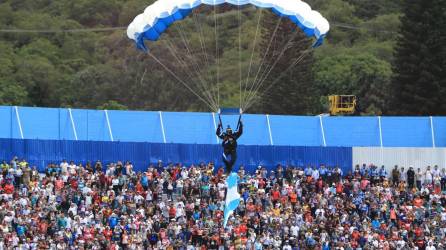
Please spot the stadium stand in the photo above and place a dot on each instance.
(113, 207)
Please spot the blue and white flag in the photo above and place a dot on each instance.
(232, 197)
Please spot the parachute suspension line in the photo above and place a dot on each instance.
(193, 62)
(267, 72)
(264, 56)
(254, 86)
(210, 78)
(179, 79)
(182, 62)
(173, 51)
(295, 62)
(189, 52)
(216, 55)
(201, 37)
(240, 50)
(252, 53)
(184, 65)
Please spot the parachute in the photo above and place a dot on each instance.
(158, 17)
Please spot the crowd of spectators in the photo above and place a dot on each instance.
(171, 206)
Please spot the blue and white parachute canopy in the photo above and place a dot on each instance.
(161, 14)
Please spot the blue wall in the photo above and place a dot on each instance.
(440, 131)
(199, 128)
(352, 131)
(39, 153)
(414, 131)
(299, 130)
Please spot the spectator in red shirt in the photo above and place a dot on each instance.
(8, 188)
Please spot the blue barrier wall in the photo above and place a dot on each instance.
(199, 128)
(414, 131)
(194, 128)
(299, 130)
(439, 124)
(135, 126)
(39, 153)
(5, 122)
(352, 131)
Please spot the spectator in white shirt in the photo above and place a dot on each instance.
(72, 168)
(428, 176)
(64, 166)
(403, 175)
(315, 174)
(436, 172)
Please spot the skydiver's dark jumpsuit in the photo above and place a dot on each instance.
(229, 146)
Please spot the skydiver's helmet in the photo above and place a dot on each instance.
(229, 130)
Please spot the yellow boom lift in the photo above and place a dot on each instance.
(342, 104)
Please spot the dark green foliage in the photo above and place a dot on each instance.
(419, 85)
(368, 9)
(112, 105)
(362, 75)
(104, 70)
(288, 88)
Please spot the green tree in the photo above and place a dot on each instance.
(39, 77)
(367, 9)
(130, 9)
(92, 13)
(112, 105)
(419, 85)
(362, 75)
(94, 86)
(12, 94)
(340, 13)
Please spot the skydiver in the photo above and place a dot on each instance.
(229, 144)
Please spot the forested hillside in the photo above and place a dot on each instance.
(92, 66)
